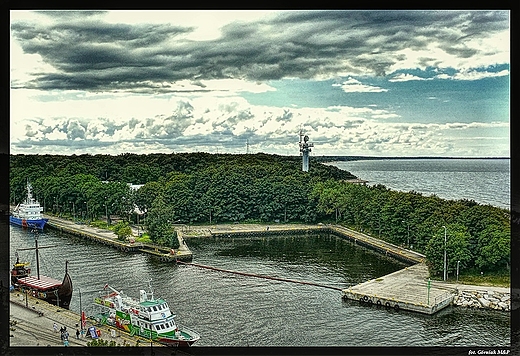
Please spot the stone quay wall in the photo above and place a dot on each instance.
(483, 299)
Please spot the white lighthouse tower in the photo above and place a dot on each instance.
(305, 148)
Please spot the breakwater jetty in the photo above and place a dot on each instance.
(252, 230)
(107, 237)
(387, 248)
(407, 289)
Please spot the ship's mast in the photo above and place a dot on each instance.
(151, 289)
(36, 248)
(37, 255)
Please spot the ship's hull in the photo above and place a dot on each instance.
(186, 339)
(176, 343)
(49, 296)
(29, 223)
(59, 295)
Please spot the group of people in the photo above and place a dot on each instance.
(65, 334)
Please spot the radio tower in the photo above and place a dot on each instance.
(305, 148)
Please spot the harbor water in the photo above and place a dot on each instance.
(235, 310)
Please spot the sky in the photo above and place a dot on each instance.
(370, 83)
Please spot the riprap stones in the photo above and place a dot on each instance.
(483, 299)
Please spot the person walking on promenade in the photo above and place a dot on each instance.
(55, 326)
(77, 333)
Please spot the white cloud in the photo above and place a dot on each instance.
(404, 77)
(473, 74)
(163, 123)
(476, 75)
(352, 85)
(32, 65)
(489, 50)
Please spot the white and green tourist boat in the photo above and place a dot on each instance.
(149, 317)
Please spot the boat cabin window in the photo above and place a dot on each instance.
(154, 308)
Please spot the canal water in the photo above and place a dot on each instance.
(234, 310)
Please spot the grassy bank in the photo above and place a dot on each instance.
(495, 280)
(491, 279)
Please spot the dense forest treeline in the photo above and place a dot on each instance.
(201, 188)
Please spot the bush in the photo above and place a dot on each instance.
(123, 230)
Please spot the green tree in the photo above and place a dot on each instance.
(494, 251)
(160, 223)
(456, 245)
(123, 230)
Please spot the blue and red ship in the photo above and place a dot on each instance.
(29, 213)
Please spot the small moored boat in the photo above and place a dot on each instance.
(149, 317)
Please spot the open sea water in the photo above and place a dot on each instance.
(486, 181)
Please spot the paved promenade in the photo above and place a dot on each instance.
(33, 329)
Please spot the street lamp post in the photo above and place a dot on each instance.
(458, 271)
(429, 285)
(80, 312)
(408, 226)
(138, 224)
(73, 212)
(444, 252)
(106, 209)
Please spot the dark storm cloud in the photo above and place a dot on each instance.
(89, 54)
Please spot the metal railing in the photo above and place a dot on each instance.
(443, 297)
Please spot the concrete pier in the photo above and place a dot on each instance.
(107, 237)
(406, 289)
(377, 244)
(258, 230)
